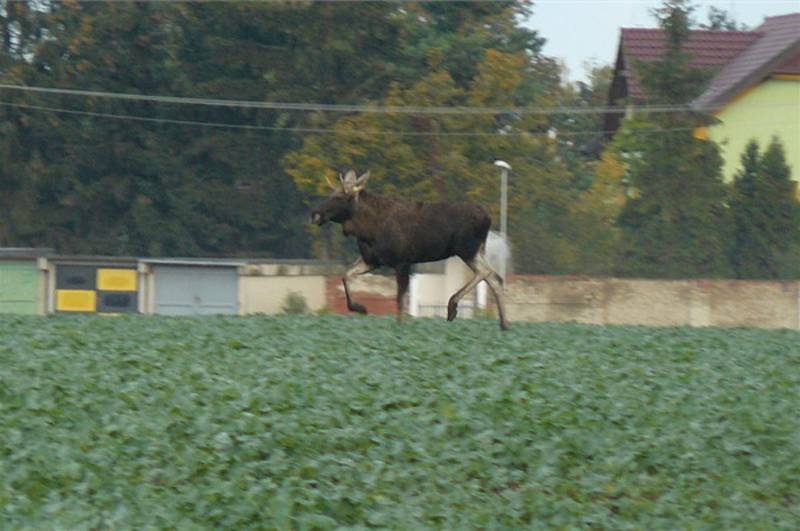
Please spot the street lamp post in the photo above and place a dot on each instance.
(505, 167)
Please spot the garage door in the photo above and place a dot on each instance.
(19, 287)
(187, 290)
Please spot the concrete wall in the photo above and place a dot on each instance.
(754, 304)
(724, 303)
(263, 288)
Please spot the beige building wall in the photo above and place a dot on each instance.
(263, 287)
(429, 298)
(431, 291)
(267, 294)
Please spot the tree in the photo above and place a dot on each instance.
(594, 233)
(674, 223)
(96, 184)
(90, 184)
(721, 20)
(579, 135)
(766, 215)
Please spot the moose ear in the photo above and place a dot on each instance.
(361, 183)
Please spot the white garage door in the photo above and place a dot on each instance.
(187, 290)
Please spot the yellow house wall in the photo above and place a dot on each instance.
(769, 109)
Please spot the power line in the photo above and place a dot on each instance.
(348, 108)
(510, 2)
(313, 130)
(387, 1)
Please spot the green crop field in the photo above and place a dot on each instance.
(330, 422)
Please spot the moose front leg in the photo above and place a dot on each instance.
(358, 268)
(402, 275)
(452, 304)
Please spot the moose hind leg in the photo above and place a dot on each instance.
(452, 304)
(358, 268)
(495, 282)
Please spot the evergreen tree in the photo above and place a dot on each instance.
(721, 20)
(766, 215)
(674, 223)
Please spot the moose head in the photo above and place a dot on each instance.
(340, 205)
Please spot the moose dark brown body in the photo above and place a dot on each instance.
(395, 232)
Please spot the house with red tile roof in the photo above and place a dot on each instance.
(754, 91)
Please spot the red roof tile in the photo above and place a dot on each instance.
(791, 66)
(707, 48)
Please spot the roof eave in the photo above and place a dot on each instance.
(718, 102)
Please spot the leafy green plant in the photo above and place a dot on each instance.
(301, 422)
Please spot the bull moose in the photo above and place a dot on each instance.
(396, 232)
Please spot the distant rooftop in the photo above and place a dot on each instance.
(738, 60)
(777, 50)
(708, 49)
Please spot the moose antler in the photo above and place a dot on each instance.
(361, 182)
(353, 185)
(333, 185)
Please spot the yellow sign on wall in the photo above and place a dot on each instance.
(76, 300)
(116, 279)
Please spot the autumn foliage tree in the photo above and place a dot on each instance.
(450, 157)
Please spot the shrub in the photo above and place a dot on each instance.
(295, 304)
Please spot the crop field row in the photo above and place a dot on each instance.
(353, 422)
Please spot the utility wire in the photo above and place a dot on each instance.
(323, 131)
(290, 1)
(313, 130)
(391, 1)
(323, 107)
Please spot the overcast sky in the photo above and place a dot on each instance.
(578, 31)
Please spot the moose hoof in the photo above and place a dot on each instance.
(356, 307)
(452, 311)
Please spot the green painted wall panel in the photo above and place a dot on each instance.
(19, 287)
(770, 109)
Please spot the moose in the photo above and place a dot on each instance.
(396, 232)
